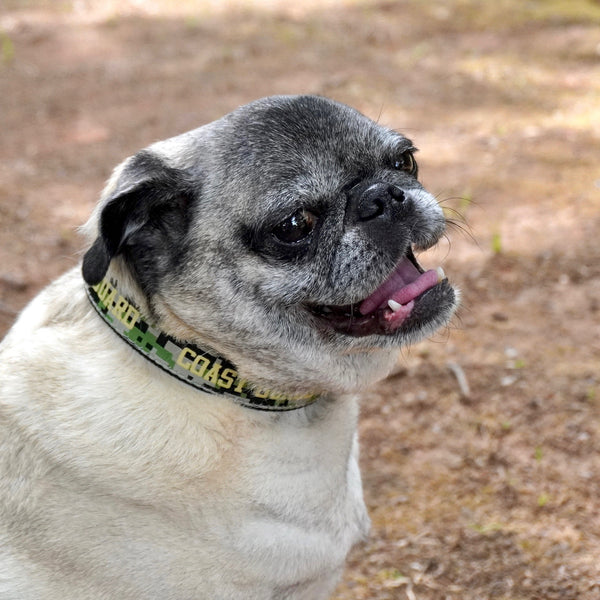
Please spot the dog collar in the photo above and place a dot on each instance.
(187, 362)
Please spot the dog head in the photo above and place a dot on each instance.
(277, 236)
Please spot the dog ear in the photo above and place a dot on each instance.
(144, 220)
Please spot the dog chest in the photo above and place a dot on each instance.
(296, 505)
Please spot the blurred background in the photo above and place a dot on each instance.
(481, 453)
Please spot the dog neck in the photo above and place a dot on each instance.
(185, 361)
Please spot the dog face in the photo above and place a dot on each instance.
(277, 236)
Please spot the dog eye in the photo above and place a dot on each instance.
(296, 228)
(406, 162)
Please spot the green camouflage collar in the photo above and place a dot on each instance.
(187, 362)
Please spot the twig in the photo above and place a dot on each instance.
(461, 379)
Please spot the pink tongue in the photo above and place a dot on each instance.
(402, 286)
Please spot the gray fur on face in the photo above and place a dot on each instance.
(195, 221)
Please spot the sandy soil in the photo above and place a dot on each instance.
(487, 492)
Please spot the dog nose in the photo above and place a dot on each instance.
(376, 201)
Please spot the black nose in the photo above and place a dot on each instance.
(377, 200)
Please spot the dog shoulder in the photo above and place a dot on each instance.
(61, 301)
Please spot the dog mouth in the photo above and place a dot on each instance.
(407, 299)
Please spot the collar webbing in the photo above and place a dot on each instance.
(187, 362)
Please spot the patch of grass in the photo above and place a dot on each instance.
(564, 11)
(543, 499)
(288, 33)
(465, 202)
(505, 14)
(487, 528)
(392, 578)
(7, 49)
(497, 243)
(112, 22)
(391, 574)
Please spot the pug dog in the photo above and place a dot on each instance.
(178, 416)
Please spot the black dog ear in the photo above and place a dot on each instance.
(143, 220)
(95, 262)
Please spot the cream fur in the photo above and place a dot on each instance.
(118, 481)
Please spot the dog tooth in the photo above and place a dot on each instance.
(395, 306)
(440, 273)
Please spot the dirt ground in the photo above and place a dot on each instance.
(481, 454)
